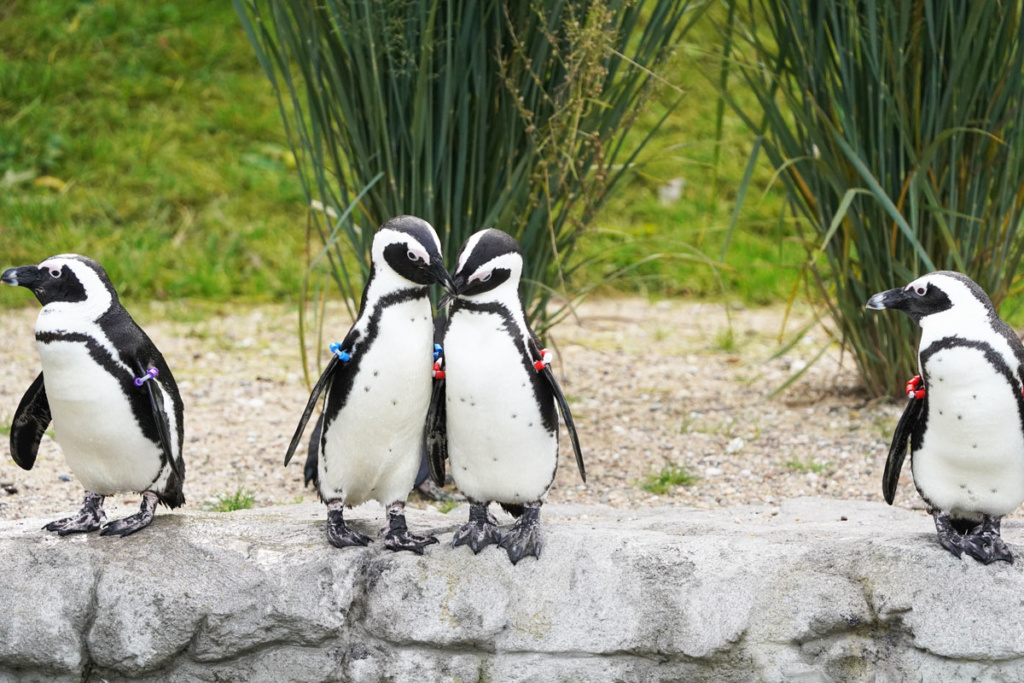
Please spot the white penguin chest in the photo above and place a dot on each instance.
(498, 445)
(94, 422)
(971, 456)
(372, 447)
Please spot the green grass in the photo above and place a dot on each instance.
(661, 482)
(242, 499)
(446, 506)
(804, 466)
(146, 136)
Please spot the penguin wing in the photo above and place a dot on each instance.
(437, 432)
(537, 354)
(163, 425)
(563, 408)
(437, 413)
(311, 470)
(30, 423)
(898, 450)
(335, 366)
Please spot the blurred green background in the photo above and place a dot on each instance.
(146, 136)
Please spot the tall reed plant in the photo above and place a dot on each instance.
(897, 127)
(468, 113)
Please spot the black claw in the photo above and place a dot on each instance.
(523, 539)
(140, 520)
(89, 518)
(339, 535)
(480, 531)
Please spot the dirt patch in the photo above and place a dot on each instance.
(653, 387)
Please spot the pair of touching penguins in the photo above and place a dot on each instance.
(488, 405)
(474, 389)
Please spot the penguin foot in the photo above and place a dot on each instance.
(140, 520)
(984, 543)
(339, 535)
(89, 518)
(949, 538)
(403, 540)
(396, 533)
(523, 538)
(480, 531)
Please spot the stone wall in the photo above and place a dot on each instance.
(737, 594)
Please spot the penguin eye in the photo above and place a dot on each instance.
(921, 290)
(412, 255)
(54, 273)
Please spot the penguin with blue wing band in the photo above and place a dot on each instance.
(110, 395)
(377, 388)
(495, 418)
(965, 416)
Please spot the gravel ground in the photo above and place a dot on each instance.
(651, 386)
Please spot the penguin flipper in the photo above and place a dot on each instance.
(334, 366)
(311, 470)
(898, 450)
(163, 425)
(30, 422)
(563, 408)
(437, 432)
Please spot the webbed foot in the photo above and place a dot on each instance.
(982, 542)
(89, 518)
(985, 544)
(523, 538)
(339, 535)
(480, 531)
(396, 533)
(140, 520)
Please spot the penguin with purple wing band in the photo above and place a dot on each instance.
(113, 401)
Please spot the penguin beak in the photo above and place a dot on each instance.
(893, 298)
(25, 276)
(442, 277)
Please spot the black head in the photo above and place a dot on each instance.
(68, 278)
(489, 261)
(939, 292)
(410, 247)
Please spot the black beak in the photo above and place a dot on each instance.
(893, 298)
(24, 276)
(442, 277)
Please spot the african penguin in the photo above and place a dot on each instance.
(113, 401)
(496, 419)
(378, 388)
(965, 421)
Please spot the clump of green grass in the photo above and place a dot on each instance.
(804, 466)
(446, 506)
(242, 499)
(661, 482)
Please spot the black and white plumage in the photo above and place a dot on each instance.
(495, 415)
(376, 401)
(117, 436)
(967, 431)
